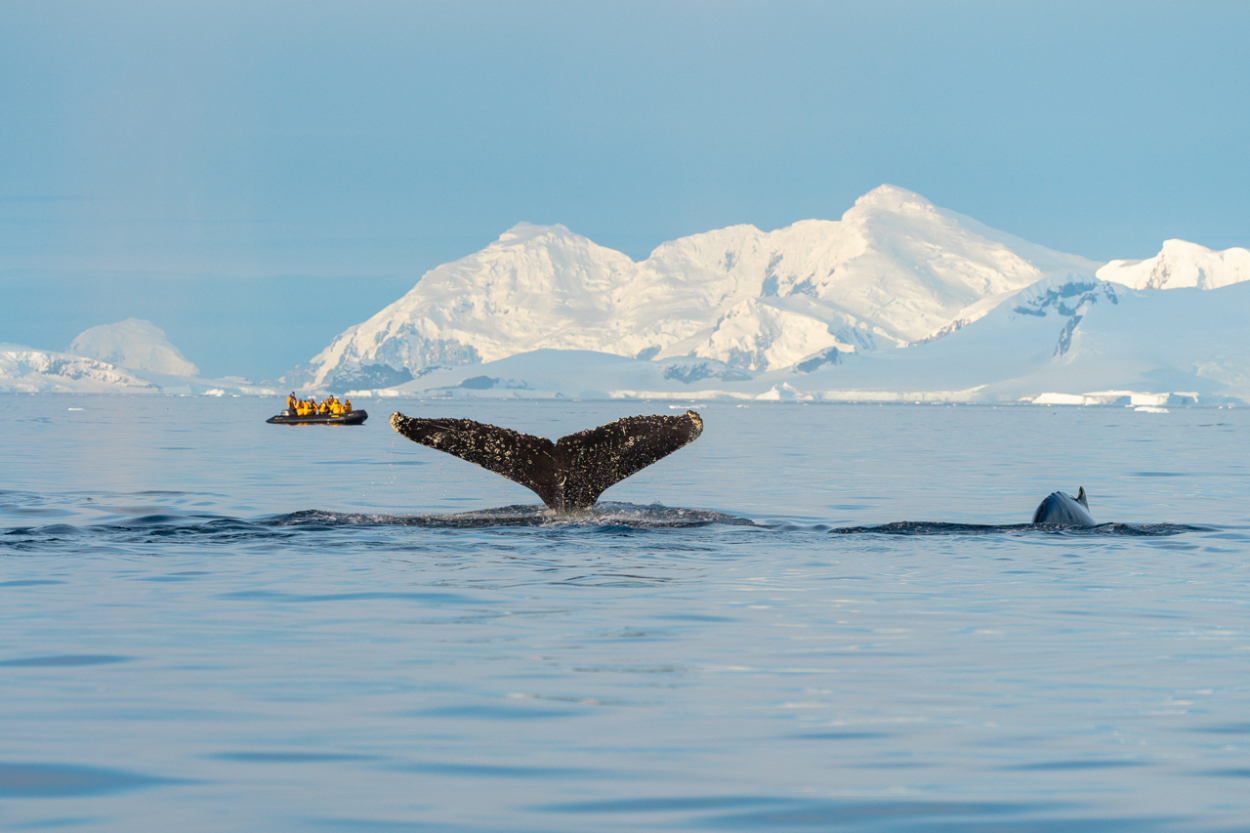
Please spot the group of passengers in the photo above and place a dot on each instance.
(310, 407)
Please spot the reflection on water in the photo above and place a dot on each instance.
(211, 620)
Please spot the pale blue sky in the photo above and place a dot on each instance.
(196, 163)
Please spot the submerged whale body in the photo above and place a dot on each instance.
(1059, 509)
(570, 473)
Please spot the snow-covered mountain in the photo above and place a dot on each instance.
(135, 344)
(894, 270)
(29, 370)
(1088, 339)
(1181, 264)
(1063, 340)
(26, 370)
(802, 312)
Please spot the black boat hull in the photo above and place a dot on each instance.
(349, 418)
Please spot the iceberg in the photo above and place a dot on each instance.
(135, 344)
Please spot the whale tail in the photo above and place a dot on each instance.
(570, 473)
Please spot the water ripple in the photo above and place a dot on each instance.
(45, 780)
(1101, 530)
(602, 517)
(63, 661)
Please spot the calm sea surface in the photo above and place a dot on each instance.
(208, 623)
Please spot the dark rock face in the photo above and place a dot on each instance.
(479, 383)
(829, 356)
(689, 373)
(370, 376)
(569, 474)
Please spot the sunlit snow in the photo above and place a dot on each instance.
(135, 344)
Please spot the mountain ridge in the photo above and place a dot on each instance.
(1181, 264)
(893, 270)
(811, 311)
(1063, 340)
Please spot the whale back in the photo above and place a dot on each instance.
(1059, 509)
(569, 474)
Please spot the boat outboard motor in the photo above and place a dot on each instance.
(1059, 509)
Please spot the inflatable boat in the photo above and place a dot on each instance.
(288, 417)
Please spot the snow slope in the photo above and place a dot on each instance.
(1064, 339)
(1183, 340)
(1181, 264)
(894, 270)
(135, 344)
(1072, 336)
(26, 370)
(29, 370)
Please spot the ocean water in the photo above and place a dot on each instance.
(813, 618)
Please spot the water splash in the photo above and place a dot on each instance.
(603, 514)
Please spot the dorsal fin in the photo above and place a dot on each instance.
(1081, 499)
(569, 474)
(1061, 509)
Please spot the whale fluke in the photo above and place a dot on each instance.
(1059, 509)
(570, 473)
